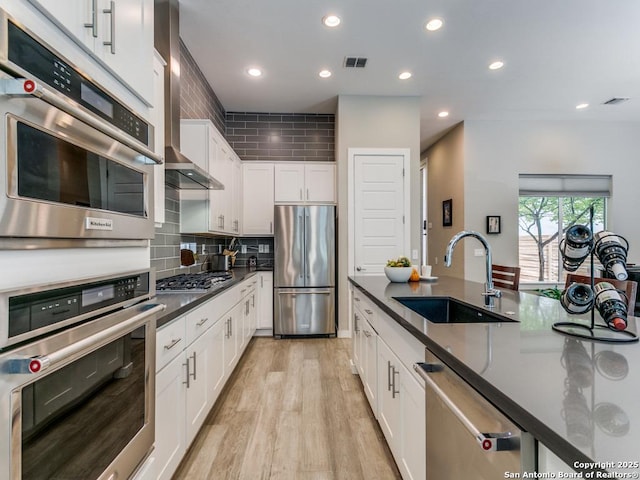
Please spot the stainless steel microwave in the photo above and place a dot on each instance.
(75, 163)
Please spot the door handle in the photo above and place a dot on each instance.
(394, 392)
(188, 375)
(489, 442)
(112, 12)
(194, 364)
(388, 376)
(173, 343)
(94, 19)
(202, 321)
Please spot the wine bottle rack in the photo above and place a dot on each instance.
(594, 331)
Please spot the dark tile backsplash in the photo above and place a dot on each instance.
(165, 247)
(281, 136)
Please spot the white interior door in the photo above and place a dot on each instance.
(379, 231)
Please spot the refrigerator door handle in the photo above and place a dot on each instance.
(302, 291)
(302, 239)
(307, 267)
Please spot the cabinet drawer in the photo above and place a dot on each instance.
(365, 307)
(225, 301)
(170, 341)
(199, 320)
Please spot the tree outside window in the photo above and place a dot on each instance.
(542, 223)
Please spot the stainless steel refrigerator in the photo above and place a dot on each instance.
(304, 270)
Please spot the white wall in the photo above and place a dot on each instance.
(496, 152)
(373, 122)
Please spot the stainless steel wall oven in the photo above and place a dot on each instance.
(79, 402)
(75, 162)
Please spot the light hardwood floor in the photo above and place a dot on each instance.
(292, 410)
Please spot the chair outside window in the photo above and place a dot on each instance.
(629, 287)
(506, 277)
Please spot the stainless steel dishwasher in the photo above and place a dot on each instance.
(467, 437)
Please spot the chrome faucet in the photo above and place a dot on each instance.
(490, 293)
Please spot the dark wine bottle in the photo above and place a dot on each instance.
(611, 250)
(611, 305)
(577, 298)
(575, 246)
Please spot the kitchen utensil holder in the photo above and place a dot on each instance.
(593, 331)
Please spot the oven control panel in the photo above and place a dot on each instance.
(25, 52)
(35, 311)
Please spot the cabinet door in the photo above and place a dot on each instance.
(258, 198)
(80, 18)
(158, 123)
(125, 40)
(265, 301)
(289, 183)
(216, 364)
(236, 197)
(413, 432)
(357, 342)
(231, 338)
(170, 444)
(388, 405)
(197, 365)
(221, 200)
(369, 352)
(320, 183)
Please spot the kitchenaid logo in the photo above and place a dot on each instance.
(93, 223)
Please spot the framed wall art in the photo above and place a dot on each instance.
(493, 224)
(447, 213)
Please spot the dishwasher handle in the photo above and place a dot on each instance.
(489, 442)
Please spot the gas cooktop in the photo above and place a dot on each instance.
(192, 282)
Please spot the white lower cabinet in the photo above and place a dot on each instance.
(195, 356)
(383, 353)
(264, 301)
(370, 368)
(401, 413)
(198, 401)
(170, 428)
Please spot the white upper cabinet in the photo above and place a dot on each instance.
(257, 198)
(305, 183)
(119, 33)
(214, 211)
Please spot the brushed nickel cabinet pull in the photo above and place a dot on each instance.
(112, 12)
(94, 19)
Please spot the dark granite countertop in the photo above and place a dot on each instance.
(579, 397)
(180, 303)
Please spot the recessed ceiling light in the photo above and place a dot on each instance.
(331, 20)
(325, 73)
(443, 114)
(404, 75)
(581, 106)
(434, 24)
(498, 64)
(254, 72)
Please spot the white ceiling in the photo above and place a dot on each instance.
(557, 54)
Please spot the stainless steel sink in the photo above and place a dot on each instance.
(448, 310)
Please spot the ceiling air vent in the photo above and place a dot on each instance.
(355, 62)
(616, 100)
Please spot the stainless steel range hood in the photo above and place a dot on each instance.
(180, 171)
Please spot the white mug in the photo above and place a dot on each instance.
(425, 271)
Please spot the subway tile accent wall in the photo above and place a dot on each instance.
(165, 247)
(281, 136)
(197, 98)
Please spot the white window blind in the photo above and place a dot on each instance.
(537, 185)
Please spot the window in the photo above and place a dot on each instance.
(548, 205)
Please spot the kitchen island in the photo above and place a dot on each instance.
(577, 397)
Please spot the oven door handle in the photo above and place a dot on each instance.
(40, 363)
(23, 86)
(489, 442)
